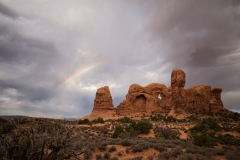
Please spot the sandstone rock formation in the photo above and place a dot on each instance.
(153, 98)
(103, 100)
(156, 98)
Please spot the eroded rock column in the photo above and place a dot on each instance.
(178, 80)
(103, 100)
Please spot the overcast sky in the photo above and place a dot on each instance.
(55, 54)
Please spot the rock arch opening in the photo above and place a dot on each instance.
(140, 103)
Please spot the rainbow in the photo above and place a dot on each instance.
(81, 71)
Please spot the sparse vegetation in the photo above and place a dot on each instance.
(41, 138)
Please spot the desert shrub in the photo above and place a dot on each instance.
(137, 158)
(203, 139)
(234, 116)
(87, 154)
(228, 139)
(200, 157)
(193, 118)
(103, 130)
(157, 117)
(106, 155)
(186, 157)
(220, 152)
(233, 155)
(166, 133)
(228, 148)
(150, 157)
(145, 146)
(112, 148)
(102, 146)
(5, 127)
(137, 148)
(3, 120)
(142, 126)
(117, 131)
(170, 119)
(170, 145)
(120, 154)
(126, 142)
(161, 158)
(199, 128)
(212, 124)
(131, 131)
(84, 121)
(204, 133)
(193, 150)
(206, 124)
(125, 120)
(159, 148)
(165, 155)
(98, 120)
(203, 151)
(98, 157)
(176, 151)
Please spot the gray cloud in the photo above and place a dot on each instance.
(7, 11)
(54, 55)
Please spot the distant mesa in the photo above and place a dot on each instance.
(156, 98)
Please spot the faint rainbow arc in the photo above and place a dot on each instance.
(79, 72)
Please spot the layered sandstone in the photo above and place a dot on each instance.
(103, 100)
(153, 98)
(156, 98)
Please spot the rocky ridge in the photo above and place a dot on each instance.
(156, 98)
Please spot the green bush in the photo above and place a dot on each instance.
(98, 120)
(117, 131)
(84, 121)
(204, 132)
(142, 126)
(203, 139)
(211, 123)
(125, 120)
(228, 139)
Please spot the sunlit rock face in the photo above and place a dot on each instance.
(194, 98)
(153, 98)
(156, 98)
(103, 100)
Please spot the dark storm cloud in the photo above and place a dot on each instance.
(16, 46)
(201, 37)
(5, 10)
(126, 42)
(31, 93)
